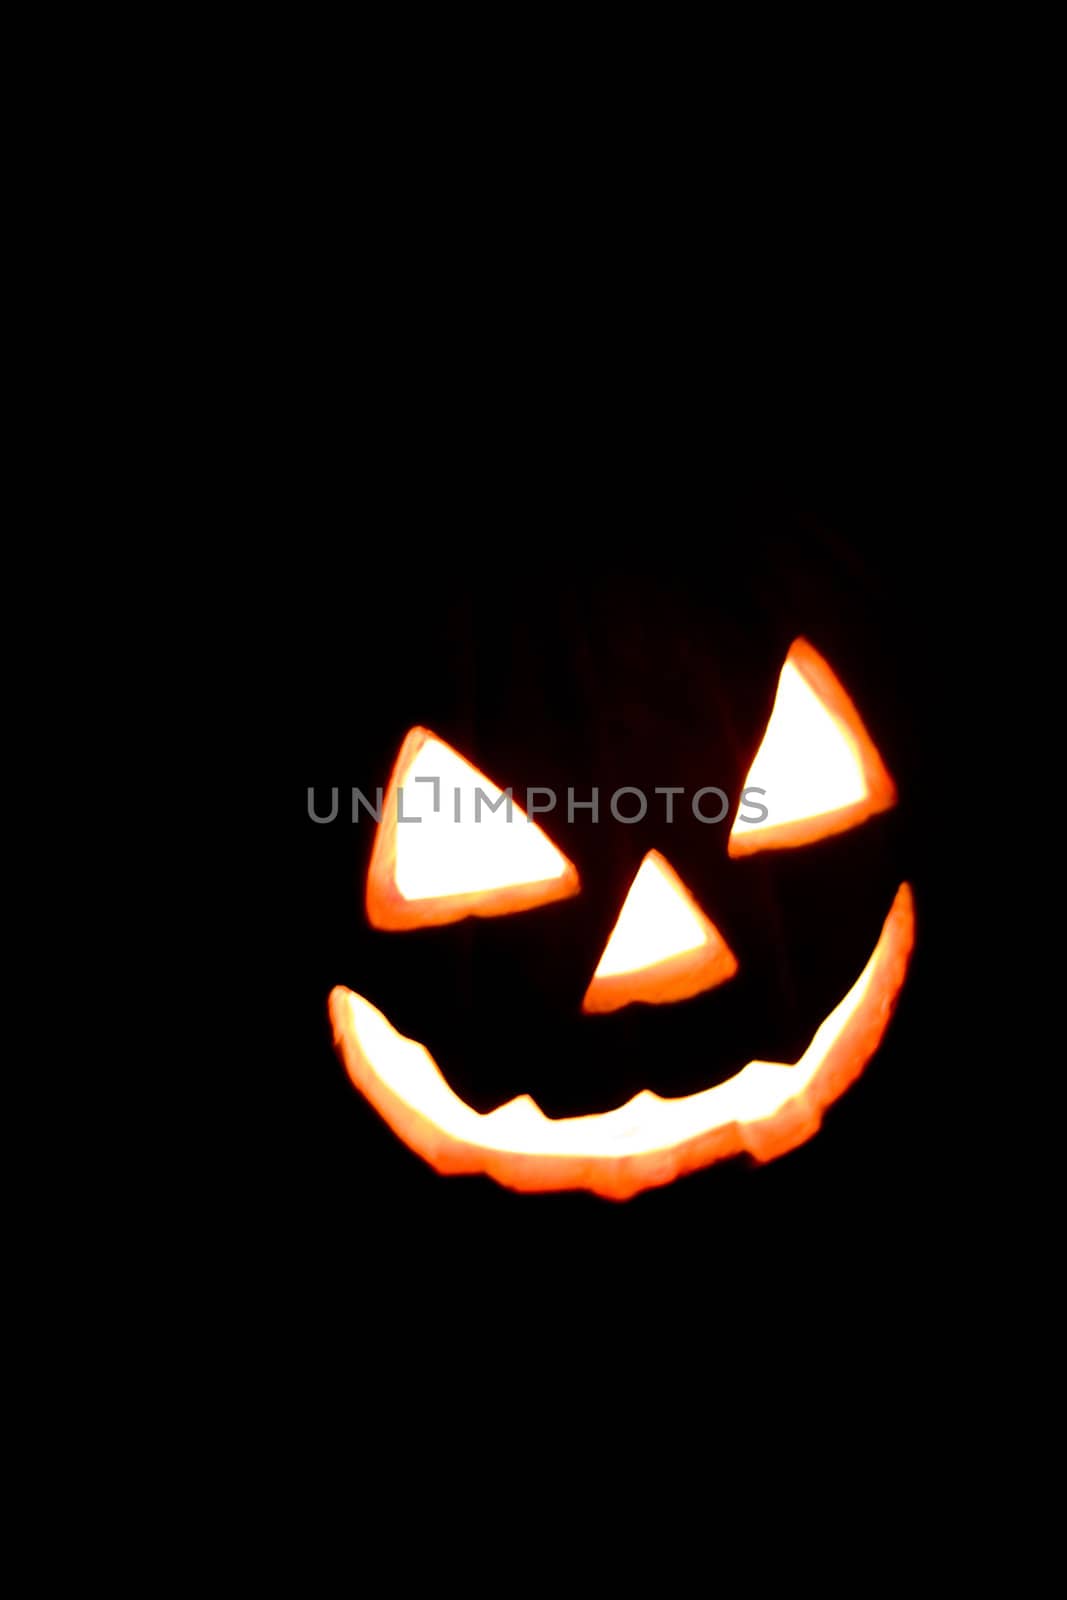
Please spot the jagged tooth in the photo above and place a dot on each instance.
(627, 1119)
(517, 1114)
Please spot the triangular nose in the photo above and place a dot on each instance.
(662, 948)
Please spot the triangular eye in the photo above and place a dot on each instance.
(662, 947)
(450, 844)
(817, 767)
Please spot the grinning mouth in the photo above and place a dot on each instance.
(765, 1110)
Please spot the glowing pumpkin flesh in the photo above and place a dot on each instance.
(471, 850)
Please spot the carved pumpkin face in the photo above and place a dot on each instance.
(584, 960)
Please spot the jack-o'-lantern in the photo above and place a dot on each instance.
(625, 856)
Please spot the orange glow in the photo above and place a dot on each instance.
(819, 769)
(662, 947)
(443, 867)
(766, 1109)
